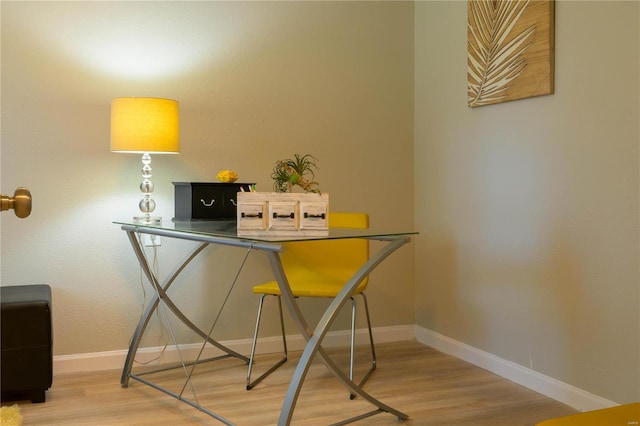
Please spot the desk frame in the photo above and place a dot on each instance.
(313, 337)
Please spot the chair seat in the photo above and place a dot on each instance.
(320, 269)
(628, 414)
(308, 288)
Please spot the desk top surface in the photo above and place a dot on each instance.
(227, 229)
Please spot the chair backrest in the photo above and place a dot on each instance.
(329, 260)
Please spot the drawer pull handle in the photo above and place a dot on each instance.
(233, 202)
(314, 216)
(259, 215)
(279, 216)
(207, 205)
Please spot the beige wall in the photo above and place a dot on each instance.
(528, 210)
(256, 81)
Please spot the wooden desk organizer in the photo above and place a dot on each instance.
(283, 214)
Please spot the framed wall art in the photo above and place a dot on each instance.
(510, 50)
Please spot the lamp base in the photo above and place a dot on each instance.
(147, 220)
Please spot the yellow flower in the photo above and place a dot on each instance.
(227, 176)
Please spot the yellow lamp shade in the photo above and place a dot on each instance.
(145, 125)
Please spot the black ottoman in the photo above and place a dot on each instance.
(26, 342)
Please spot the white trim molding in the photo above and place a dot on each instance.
(538, 382)
(114, 360)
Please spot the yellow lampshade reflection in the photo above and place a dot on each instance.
(145, 125)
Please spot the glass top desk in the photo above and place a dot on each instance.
(224, 233)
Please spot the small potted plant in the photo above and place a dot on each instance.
(285, 212)
(297, 171)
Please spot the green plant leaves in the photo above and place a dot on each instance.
(299, 170)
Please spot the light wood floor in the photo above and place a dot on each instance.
(433, 388)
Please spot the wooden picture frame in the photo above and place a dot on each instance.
(510, 50)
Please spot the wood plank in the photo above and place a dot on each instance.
(433, 388)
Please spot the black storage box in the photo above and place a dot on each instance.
(202, 200)
(26, 342)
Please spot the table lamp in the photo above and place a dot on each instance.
(144, 126)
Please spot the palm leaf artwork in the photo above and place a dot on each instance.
(495, 56)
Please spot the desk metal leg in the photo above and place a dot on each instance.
(314, 339)
(160, 293)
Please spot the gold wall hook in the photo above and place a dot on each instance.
(20, 202)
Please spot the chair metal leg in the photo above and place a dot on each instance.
(251, 384)
(353, 334)
(353, 342)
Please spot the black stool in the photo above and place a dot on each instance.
(26, 342)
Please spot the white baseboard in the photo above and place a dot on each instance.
(538, 382)
(545, 385)
(114, 360)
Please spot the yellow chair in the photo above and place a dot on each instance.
(320, 269)
(622, 415)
